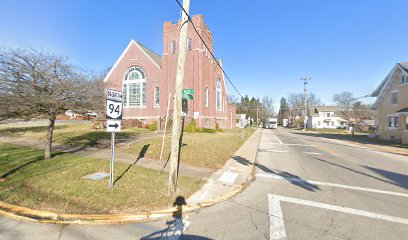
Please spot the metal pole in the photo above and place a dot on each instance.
(257, 117)
(305, 93)
(176, 133)
(112, 160)
(165, 128)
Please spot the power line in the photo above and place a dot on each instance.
(202, 40)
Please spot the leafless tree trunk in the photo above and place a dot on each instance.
(50, 132)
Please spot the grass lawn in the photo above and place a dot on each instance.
(57, 184)
(79, 134)
(211, 150)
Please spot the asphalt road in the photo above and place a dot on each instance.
(306, 187)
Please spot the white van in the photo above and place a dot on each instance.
(273, 123)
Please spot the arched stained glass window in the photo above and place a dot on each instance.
(134, 87)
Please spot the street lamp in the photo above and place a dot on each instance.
(305, 79)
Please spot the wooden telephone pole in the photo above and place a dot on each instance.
(176, 131)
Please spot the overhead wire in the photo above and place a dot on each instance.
(205, 44)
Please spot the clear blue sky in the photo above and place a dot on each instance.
(266, 46)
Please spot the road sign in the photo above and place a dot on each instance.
(188, 94)
(113, 125)
(114, 105)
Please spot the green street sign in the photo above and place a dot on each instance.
(188, 94)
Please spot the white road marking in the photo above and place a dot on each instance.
(312, 153)
(203, 195)
(340, 209)
(277, 226)
(228, 177)
(175, 231)
(273, 176)
(272, 150)
(293, 144)
(278, 139)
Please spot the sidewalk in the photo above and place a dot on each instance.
(232, 178)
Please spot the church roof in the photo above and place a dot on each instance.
(154, 56)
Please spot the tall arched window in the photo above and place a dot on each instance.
(219, 96)
(173, 47)
(157, 97)
(206, 96)
(189, 44)
(134, 87)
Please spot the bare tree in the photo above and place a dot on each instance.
(267, 103)
(344, 101)
(232, 99)
(35, 83)
(296, 102)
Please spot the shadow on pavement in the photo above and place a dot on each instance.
(361, 139)
(176, 226)
(291, 178)
(399, 180)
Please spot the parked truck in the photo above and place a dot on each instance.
(272, 123)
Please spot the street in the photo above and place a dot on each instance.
(306, 187)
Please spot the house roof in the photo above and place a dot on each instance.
(154, 56)
(403, 110)
(402, 65)
(333, 109)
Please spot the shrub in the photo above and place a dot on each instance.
(218, 129)
(132, 123)
(191, 127)
(208, 130)
(147, 126)
(153, 126)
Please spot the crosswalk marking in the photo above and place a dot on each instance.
(274, 176)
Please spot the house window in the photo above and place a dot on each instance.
(173, 47)
(206, 97)
(219, 96)
(402, 79)
(134, 87)
(156, 97)
(393, 121)
(390, 121)
(318, 123)
(328, 114)
(396, 121)
(332, 123)
(394, 97)
(189, 44)
(406, 122)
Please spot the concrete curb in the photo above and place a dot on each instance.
(56, 218)
(52, 217)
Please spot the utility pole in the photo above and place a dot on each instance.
(304, 114)
(257, 111)
(176, 131)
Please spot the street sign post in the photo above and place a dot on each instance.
(188, 94)
(114, 112)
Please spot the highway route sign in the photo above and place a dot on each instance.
(114, 104)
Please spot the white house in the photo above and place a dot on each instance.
(326, 117)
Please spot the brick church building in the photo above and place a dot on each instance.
(147, 79)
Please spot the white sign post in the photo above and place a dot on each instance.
(114, 112)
